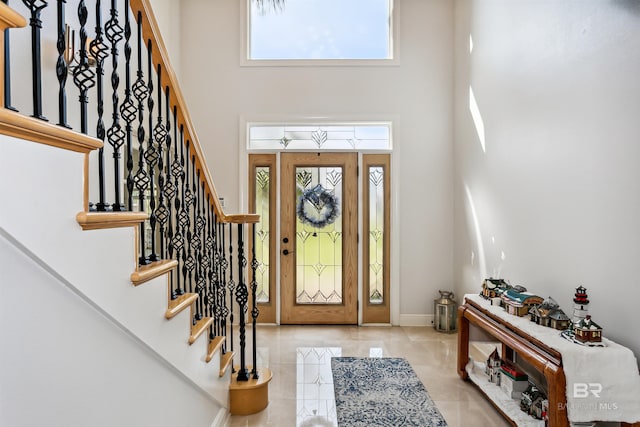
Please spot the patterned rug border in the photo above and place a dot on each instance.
(381, 392)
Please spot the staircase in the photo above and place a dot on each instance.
(151, 249)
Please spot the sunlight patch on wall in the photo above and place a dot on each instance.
(470, 43)
(482, 264)
(477, 118)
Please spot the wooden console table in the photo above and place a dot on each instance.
(540, 356)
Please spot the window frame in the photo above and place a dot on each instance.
(245, 48)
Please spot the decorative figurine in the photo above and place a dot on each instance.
(587, 331)
(532, 401)
(493, 288)
(519, 288)
(549, 314)
(492, 369)
(559, 320)
(580, 304)
(512, 380)
(519, 304)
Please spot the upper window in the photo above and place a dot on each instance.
(320, 30)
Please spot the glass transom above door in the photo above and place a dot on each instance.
(373, 136)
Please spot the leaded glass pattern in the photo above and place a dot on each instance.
(262, 185)
(376, 235)
(319, 238)
(375, 136)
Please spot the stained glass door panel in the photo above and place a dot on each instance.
(319, 238)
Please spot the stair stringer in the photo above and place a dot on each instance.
(42, 190)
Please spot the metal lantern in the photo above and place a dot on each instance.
(445, 312)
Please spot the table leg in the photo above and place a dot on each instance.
(463, 343)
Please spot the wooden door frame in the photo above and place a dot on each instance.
(290, 311)
(376, 313)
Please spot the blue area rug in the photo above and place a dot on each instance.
(381, 392)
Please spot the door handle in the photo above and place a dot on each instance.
(286, 252)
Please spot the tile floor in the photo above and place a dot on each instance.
(301, 392)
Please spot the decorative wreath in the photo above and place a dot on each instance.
(318, 207)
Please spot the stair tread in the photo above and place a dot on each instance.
(145, 273)
(214, 345)
(102, 220)
(179, 304)
(200, 327)
(225, 362)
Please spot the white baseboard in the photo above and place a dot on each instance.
(416, 320)
(223, 418)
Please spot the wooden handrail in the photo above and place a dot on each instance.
(160, 56)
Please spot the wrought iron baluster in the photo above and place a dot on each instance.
(115, 134)
(194, 245)
(160, 135)
(128, 108)
(232, 286)
(187, 259)
(151, 156)
(141, 178)
(218, 309)
(242, 299)
(182, 217)
(36, 7)
(211, 266)
(99, 51)
(169, 191)
(7, 68)
(254, 310)
(201, 272)
(176, 239)
(61, 65)
(83, 76)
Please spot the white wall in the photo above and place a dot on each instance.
(44, 185)
(416, 95)
(167, 13)
(554, 201)
(63, 363)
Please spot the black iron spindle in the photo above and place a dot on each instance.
(202, 256)
(175, 242)
(98, 49)
(141, 178)
(195, 238)
(83, 75)
(210, 264)
(231, 286)
(254, 310)
(36, 7)
(160, 135)
(201, 277)
(61, 64)
(151, 156)
(115, 134)
(7, 68)
(182, 217)
(187, 259)
(128, 109)
(222, 282)
(242, 299)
